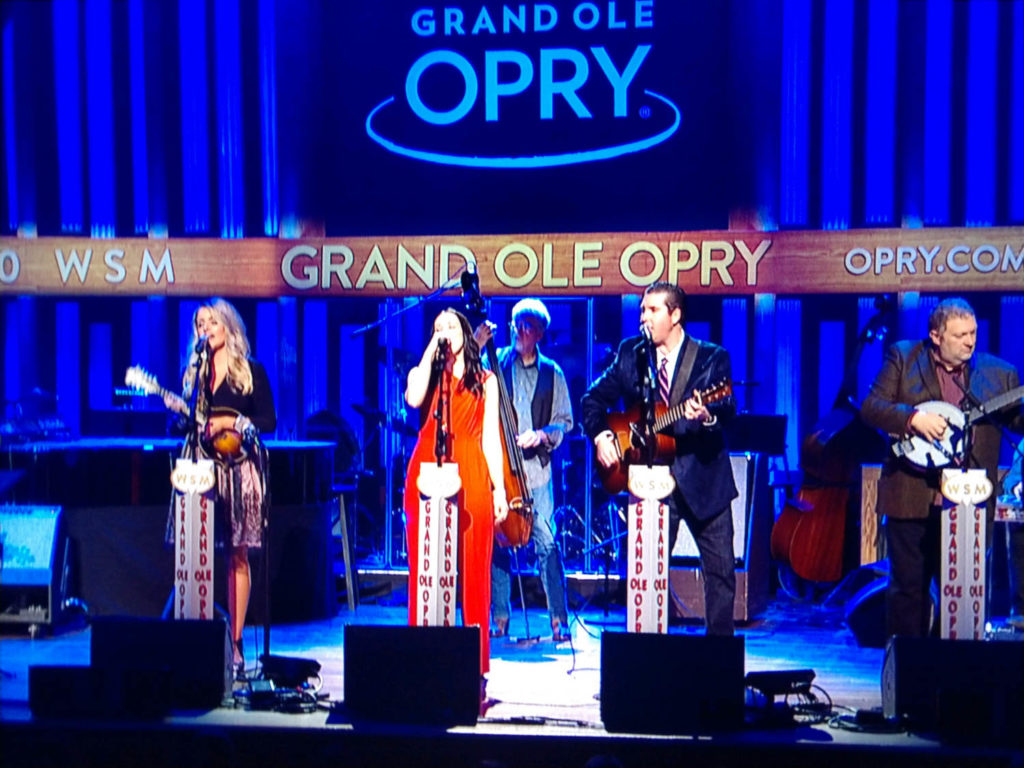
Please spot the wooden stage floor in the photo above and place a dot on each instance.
(546, 709)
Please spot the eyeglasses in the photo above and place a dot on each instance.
(522, 326)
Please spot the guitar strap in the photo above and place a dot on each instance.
(685, 368)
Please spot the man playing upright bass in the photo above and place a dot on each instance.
(540, 397)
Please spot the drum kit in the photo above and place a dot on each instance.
(33, 419)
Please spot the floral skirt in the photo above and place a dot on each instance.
(240, 495)
(240, 508)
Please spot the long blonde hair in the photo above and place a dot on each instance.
(239, 374)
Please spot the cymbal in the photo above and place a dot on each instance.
(404, 356)
(367, 412)
(9, 478)
(397, 423)
(402, 428)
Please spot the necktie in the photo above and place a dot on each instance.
(663, 388)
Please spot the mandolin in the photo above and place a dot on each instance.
(226, 446)
(628, 429)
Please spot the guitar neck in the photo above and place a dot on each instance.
(671, 416)
(995, 404)
(164, 392)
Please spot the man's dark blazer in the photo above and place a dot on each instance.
(907, 379)
(701, 468)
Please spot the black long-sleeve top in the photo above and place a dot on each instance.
(258, 405)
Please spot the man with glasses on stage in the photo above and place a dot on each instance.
(540, 396)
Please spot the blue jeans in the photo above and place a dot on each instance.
(549, 563)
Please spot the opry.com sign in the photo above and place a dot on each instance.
(526, 85)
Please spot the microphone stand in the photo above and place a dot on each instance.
(192, 436)
(606, 557)
(648, 377)
(979, 406)
(260, 450)
(440, 365)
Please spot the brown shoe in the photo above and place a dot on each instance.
(500, 628)
(558, 635)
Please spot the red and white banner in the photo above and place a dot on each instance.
(193, 482)
(963, 599)
(647, 562)
(437, 552)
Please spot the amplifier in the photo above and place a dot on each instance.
(33, 564)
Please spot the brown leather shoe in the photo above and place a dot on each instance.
(558, 634)
(500, 628)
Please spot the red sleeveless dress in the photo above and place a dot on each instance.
(476, 508)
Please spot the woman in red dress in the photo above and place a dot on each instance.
(474, 443)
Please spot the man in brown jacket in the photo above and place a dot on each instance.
(943, 367)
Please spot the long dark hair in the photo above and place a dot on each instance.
(473, 373)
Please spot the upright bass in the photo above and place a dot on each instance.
(808, 536)
(515, 530)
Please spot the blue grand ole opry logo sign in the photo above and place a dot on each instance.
(526, 85)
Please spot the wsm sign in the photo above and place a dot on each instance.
(526, 85)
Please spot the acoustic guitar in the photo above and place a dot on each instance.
(627, 427)
(226, 446)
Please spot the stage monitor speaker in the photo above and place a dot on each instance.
(865, 614)
(196, 653)
(427, 675)
(95, 692)
(33, 564)
(966, 691)
(671, 684)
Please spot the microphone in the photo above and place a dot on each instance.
(646, 343)
(201, 343)
(442, 348)
(470, 281)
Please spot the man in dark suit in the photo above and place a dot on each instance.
(942, 367)
(701, 468)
